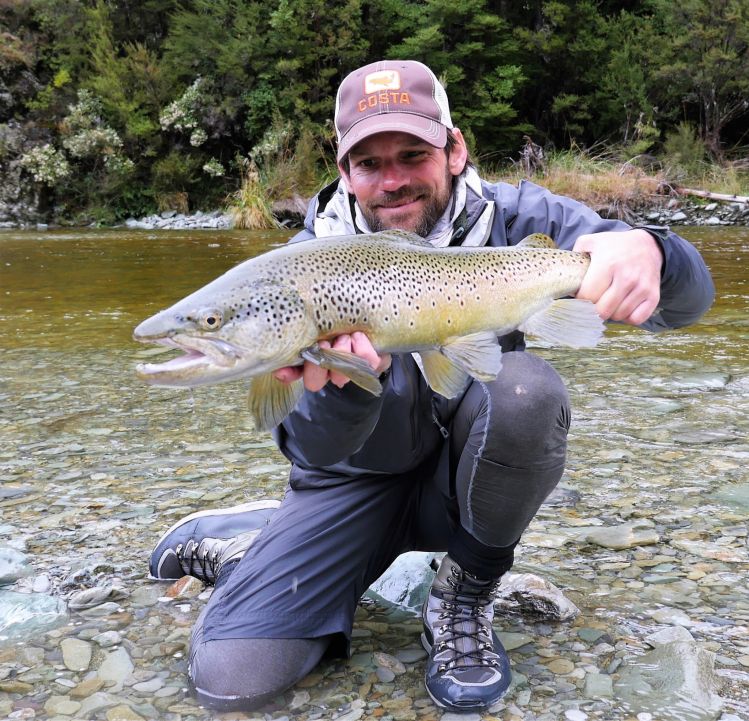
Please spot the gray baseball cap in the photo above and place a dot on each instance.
(391, 95)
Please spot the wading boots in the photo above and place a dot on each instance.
(468, 668)
(201, 543)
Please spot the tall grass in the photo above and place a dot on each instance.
(282, 166)
(613, 188)
(249, 206)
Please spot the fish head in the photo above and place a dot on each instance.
(227, 331)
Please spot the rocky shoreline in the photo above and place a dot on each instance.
(290, 214)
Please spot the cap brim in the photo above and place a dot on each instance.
(425, 129)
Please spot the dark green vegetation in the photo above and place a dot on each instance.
(118, 108)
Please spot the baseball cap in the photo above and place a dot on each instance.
(391, 95)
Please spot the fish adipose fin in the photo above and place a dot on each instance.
(355, 368)
(536, 240)
(271, 400)
(402, 236)
(570, 322)
(447, 370)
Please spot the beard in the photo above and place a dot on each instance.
(435, 205)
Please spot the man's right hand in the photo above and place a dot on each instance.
(316, 378)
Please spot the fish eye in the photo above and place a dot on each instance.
(211, 319)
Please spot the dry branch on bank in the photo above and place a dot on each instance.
(725, 197)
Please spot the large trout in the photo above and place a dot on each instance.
(446, 304)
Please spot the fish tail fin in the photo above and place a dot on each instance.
(570, 322)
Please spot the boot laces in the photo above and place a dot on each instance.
(191, 559)
(464, 609)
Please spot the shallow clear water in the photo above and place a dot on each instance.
(94, 464)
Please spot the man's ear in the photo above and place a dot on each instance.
(456, 161)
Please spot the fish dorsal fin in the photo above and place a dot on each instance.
(570, 322)
(402, 236)
(448, 368)
(352, 366)
(536, 240)
(271, 400)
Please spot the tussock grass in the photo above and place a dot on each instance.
(613, 189)
(249, 206)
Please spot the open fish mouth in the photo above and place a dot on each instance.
(198, 355)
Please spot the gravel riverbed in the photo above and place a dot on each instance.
(646, 536)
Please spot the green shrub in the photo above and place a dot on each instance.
(684, 153)
(177, 172)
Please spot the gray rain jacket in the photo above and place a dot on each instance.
(342, 433)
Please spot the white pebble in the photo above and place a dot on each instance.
(574, 714)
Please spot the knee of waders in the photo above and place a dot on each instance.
(245, 674)
(528, 401)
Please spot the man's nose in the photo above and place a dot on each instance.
(394, 177)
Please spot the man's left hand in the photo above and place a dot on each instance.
(624, 278)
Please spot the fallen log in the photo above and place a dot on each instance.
(713, 196)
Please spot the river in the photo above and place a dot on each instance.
(94, 465)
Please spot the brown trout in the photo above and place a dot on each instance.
(448, 305)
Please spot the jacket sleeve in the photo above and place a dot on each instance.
(328, 426)
(687, 289)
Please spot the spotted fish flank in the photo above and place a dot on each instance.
(446, 304)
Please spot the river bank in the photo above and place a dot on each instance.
(290, 214)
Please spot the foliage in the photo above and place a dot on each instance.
(126, 107)
(472, 66)
(705, 70)
(46, 164)
(684, 152)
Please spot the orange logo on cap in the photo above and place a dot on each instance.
(382, 88)
(382, 80)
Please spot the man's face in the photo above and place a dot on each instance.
(402, 182)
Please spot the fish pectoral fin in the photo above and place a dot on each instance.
(536, 240)
(570, 322)
(271, 400)
(479, 354)
(442, 374)
(352, 366)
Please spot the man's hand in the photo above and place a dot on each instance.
(316, 378)
(624, 278)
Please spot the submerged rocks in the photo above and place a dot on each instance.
(108, 466)
(626, 535)
(26, 614)
(90, 597)
(676, 680)
(13, 565)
